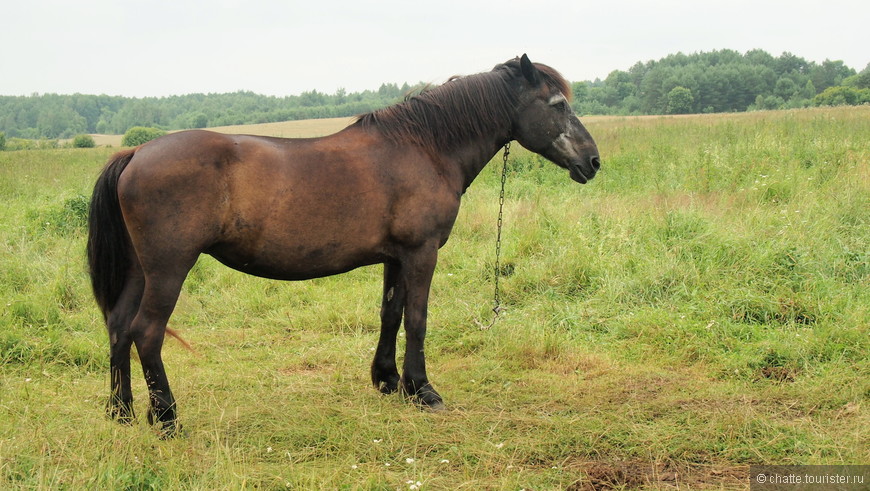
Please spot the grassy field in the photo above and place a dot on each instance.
(702, 305)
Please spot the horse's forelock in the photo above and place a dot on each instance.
(550, 76)
(555, 80)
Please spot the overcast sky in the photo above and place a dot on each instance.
(274, 47)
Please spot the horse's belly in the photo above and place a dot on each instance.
(296, 263)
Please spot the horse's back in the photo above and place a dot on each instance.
(281, 208)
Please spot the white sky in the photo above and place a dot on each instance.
(274, 47)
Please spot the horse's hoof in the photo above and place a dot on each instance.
(426, 398)
(386, 381)
(169, 430)
(121, 413)
(436, 407)
(387, 387)
(166, 426)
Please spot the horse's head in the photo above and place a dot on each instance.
(546, 124)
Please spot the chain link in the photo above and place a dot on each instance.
(497, 271)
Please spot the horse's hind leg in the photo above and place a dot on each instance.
(148, 330)
(385, 375)
(120, 404)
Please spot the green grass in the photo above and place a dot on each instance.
(702, 305)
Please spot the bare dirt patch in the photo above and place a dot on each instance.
(638, 474)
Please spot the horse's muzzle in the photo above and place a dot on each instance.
(582, 171)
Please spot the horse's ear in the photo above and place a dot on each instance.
(529, 70)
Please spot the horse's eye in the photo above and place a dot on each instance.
(559, 102)
(561, 105)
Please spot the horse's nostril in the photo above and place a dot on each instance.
(596, 162)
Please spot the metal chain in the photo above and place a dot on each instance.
(498, 308)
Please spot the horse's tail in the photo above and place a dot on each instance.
(108, 244)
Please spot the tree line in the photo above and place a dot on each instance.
(706, 82)
(63, 116)
(722, 81)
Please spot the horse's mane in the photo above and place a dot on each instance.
(443, 117)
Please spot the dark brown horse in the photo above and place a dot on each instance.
(386, 189)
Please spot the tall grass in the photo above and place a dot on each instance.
(700, 306)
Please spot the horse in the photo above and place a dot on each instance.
(384, 190)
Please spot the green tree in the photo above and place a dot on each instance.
(312, 99)
(829, 74)
(2, 141)
(138, 135)
(680, 100)
(788, 63)
(618, 86)
(842, 96)
(760, 57)
(579, 90)
(199, 121)
(102, 127)
(83, 141)
(809, 90)
(341, 96)
(860, 81)
(57, 121)
(769, 102)
(785, 88)
(87, 107)
(652, 93)
(138, 112)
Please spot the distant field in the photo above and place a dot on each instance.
(700, 306)
(286, 129)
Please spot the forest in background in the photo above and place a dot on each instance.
(723, 81)
(705, 82)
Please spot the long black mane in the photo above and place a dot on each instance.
(463, 108)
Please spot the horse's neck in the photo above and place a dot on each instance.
(473, 157)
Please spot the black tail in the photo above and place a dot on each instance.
(108, 245)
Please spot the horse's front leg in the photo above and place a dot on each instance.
(417, 270)
(385, 375)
